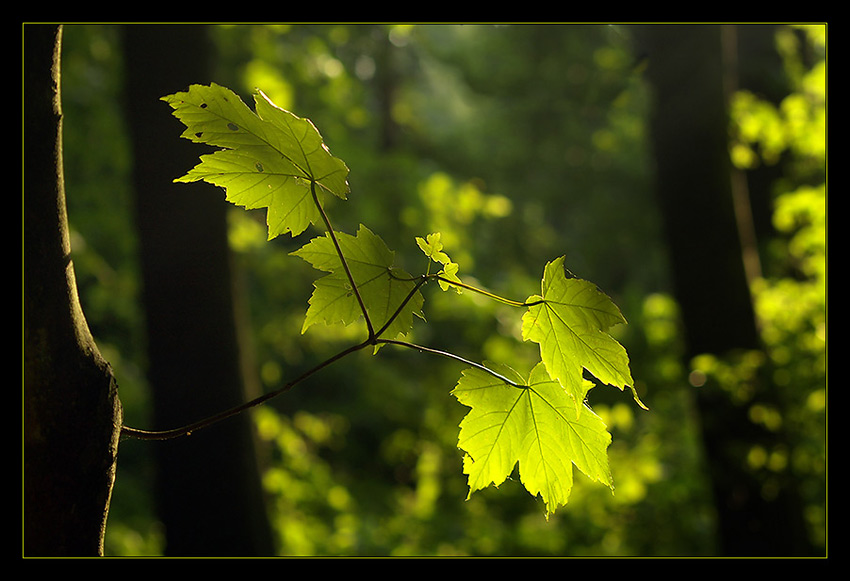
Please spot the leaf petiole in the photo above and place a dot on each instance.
(454, 357)
(493, 296)
(468, 287)
(345, 267)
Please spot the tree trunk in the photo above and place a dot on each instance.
(72, 414)
(689, 129)
(208, 486)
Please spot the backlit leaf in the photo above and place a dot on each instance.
(269, 158)
(570, 322)
(533, 424)
(382, 286)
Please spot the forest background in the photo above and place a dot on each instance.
(518, 143)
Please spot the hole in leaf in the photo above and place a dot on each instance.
(259, 166)
(233, 126)
(203, 105)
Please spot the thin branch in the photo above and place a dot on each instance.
(206, 422)
(373, 339)
(342, 259)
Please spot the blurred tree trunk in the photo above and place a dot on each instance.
(72, 414)
(208, 484)
(708, 250)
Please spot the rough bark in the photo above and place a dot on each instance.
(72, 414)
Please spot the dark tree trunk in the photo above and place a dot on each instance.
(72, 414)
(689, 129)
(208, 486)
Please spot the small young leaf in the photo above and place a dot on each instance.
(449, 272)
(570, 323)
(433, 249)
(533, 424)
(270, 158)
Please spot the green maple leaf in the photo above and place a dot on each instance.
(532, 424)
(382, 286)
(570, 322)
(270, 159)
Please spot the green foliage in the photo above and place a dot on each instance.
(275, 160)
(790, 297)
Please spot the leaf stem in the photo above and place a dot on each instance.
(454, 357)
(488, 293)
(342, 259)
(480, 291)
